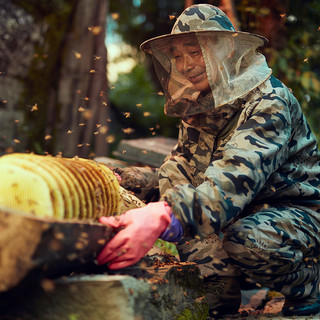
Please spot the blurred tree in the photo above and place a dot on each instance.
(293, 29)
(138, 107)
(138, 20)
(136, 96)
(82, 85)
(53, 59)
(54, 72)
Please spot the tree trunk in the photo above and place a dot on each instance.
(19, 34)
(53, 83)
(82, 91)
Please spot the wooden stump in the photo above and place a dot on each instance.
(45, 246)
(148, 151)
(163, 290)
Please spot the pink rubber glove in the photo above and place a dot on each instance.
(140, 228)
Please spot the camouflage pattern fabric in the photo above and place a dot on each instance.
(204, 17)
(278, 246)
(255, 182)
(269, 155)
(209, 255)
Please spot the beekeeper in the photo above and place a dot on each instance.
(240, 191)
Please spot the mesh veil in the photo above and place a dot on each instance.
(233, 67)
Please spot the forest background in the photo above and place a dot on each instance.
(73, 81)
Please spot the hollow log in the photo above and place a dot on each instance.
(48, 247)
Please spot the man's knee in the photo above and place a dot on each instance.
(238, 233)
(251, 242)
(240, 238)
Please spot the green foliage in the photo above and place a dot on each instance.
(294, 51)
(137, 21)
(44, 8)
(199, 311)
(135, 93)
(43, 73)
(167, 247)
(297, 64)
(140, 20)
(138, 106)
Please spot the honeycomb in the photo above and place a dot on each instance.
(58, 187)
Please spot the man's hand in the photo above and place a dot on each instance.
(138, 229)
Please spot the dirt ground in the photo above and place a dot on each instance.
(262, 304)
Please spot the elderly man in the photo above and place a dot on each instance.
(240, 191)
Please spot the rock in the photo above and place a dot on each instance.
(31, 247)
(253, 299)
(275, 305)
(154, 289)
(148, 151)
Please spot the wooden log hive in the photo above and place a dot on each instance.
(49, 208)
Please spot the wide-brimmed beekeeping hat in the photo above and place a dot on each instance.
(203, 18)
(233, 66)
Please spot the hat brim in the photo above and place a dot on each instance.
(146, 45)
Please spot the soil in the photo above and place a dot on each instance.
(263, 304)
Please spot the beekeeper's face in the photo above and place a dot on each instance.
(189, 61)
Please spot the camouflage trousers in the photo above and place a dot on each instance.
(276, 245)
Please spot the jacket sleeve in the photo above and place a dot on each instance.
(170, 173)
(238, 171)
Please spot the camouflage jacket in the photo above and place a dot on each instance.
(266, 153)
